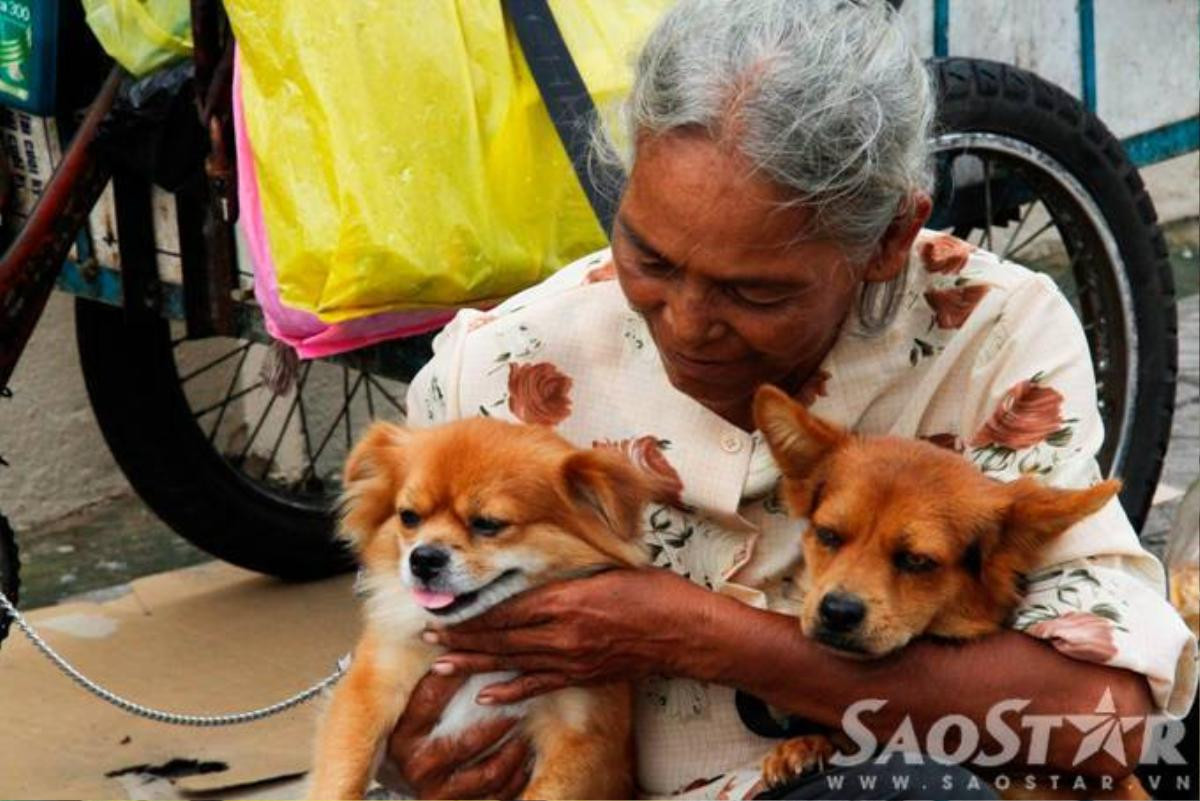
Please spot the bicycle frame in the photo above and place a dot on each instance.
(34, 259)
(32, 262)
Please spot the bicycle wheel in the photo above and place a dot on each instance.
(244, 465)
(10, 566)
(1026, 171)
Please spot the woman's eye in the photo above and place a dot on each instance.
(827, 537)
(487, 526)
(759, 298)
(914, 562)
(655, 268)
(409, 518)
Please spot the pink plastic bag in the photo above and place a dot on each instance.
(311, 338)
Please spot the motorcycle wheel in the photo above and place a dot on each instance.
(1024, 170)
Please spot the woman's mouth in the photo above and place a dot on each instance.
(692, 364)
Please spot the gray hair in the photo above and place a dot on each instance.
(825, 97)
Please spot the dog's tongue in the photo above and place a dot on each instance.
(433, 600)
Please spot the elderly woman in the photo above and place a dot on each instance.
(770, 232)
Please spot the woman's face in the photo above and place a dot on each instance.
(705, 252)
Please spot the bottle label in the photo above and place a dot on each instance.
(16, 47)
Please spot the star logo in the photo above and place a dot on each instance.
(1102, 730)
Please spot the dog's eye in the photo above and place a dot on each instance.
(409, 518)
(487, 526)
(914, 562)
(828, 537)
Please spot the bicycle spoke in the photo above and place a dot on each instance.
(241, 393)
(345, 388)
(370, 401)
(399, 406)
(212, 435)
(304, 430)
(1030, 238)
(214, 363)
(262, 418)
(282, 431)
(332, 429)
(1017, 231)
(1086, 285)
(987, 202)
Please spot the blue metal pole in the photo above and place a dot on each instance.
(1167, 141)
(941, 28)
(1087, 52)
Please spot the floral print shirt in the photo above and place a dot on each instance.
(984, 357)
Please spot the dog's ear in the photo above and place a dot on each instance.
(798, 439)
(1035, 515)
(1039, 513)
(609, 491)
(370, 480)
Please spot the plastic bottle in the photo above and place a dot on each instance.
(28, 43)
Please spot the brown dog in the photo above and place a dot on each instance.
(904, 539)
(447, 522)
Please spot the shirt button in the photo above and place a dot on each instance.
(731, 443)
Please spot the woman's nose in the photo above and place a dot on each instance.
(687, 314)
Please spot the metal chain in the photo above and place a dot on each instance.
(159, 715)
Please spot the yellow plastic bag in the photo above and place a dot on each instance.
(142, 35)
(403, 155)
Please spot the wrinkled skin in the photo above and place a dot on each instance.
(734, 298)
(710, 256)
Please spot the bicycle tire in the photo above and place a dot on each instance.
(977, 95)
(10, 572)
(137, 398)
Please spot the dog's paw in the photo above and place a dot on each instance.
(796, 757)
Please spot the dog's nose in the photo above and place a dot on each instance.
(841, 611)
(427, 561)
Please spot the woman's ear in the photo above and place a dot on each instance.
(897, 241)
(370, 480)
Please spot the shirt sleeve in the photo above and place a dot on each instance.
(433, 394)
(1031, 409)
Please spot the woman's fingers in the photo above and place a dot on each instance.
(522, 687)
(530, 608)
(502, 641)
(426, 703)
(516, 784)
(445, 754)
(494, 774)
(458, 663)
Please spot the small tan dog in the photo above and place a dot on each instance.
(447, 522)
(905, 539)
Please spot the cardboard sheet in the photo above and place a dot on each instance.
(208, 639)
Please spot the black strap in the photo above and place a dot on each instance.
(567, 100)
(757, 717)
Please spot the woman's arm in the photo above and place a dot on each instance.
(628, 624)
(929, 680)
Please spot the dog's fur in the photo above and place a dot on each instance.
(564, 512)
(905, 539)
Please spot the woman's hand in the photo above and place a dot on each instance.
(619, 625)
(435, 768)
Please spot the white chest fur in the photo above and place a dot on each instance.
(463, 711)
